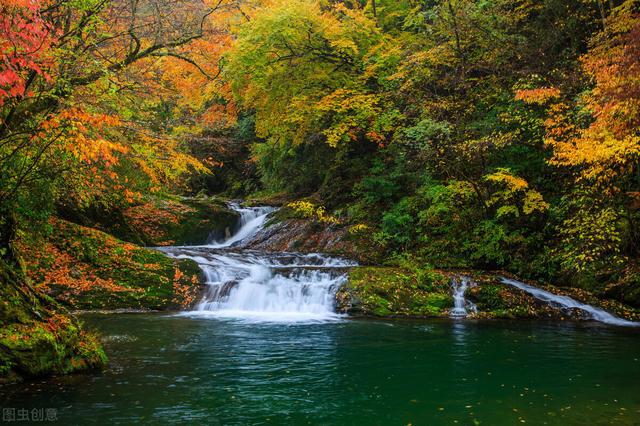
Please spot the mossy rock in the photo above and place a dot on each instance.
(497, 300)
(37, 336)
(87, 269)
(55, 346)
(386, 291)
(184, 221)
(159, 220)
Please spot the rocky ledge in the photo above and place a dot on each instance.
(285, 233)
(424, 292)
(86, 269)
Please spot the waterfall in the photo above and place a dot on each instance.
(267, 293)
(567, 302)
(251, 221)
(259, 286)
(252, 285)
(461, 306)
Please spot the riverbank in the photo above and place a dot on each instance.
(84, 268)
(411, 288)
(427, 293)
(75, 267)
(38, 336)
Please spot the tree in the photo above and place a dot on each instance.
(603, 151)
(73, 120)
(302, 69)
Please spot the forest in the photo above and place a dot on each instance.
(498, 136)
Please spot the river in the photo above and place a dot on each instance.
(167, 369)
(265, 346)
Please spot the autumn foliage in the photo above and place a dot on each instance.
(25, 47)
(462, 134)
(609, 147)
(88, 269)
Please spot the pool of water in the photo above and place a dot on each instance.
(168, 369)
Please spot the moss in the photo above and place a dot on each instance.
(57, 346)
(489, 297)
(37, 336)
(497, 300)
(87, 269)
(158, 220)
(180, 221)
(384, 291)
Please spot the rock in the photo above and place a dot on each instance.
(185, 221)
(394, 292)
(310, 236)
(157, 221)
(37, 336)
(87, 269)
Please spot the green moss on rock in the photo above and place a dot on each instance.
(182, 221)
(37, 336)
(159, 221)
(87, 269)
(385, 291)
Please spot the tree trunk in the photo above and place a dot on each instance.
(7, 235)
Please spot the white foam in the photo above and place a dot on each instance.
(263, 287)
(567, 302)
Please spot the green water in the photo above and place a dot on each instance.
(172, 370)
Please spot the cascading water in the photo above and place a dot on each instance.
(251, 221)
(248, 284)
(461, 306)
(567, 302)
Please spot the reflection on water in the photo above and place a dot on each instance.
(171, 370)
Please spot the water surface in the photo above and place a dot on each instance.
(168, 369)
